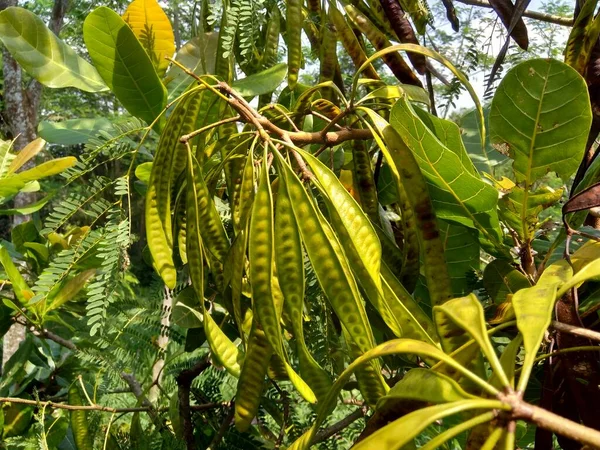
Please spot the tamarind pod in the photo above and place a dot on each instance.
(363, 174)
(404, 31)
(505, 10)
(265, 287)
(180, 223)
(289, 261)
(410, 243)
(328, 260)
(371, 383)
(169, 162)
(269, 57)
(350, 42)
(406, 171)
(223, 66)
(252, 378)
(294, 21)
(79, 421)
(393, 60)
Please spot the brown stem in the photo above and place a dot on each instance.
(47, 334)
(550, 18)
(184, 383)
(576, 331)
(339, 426)
(72, 407)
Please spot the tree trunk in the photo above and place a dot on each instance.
(21, 105)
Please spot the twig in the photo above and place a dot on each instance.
(47, 334)
(25, 401)
(577, 331)
(184, 383)
(339, 426)
(550, 18)
(222, 429)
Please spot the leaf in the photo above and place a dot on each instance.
(19, 285)
(505, 10)
(484, 157)
(6, 156)
(24, 155)
(124, 64)
(28, 209)
(45, 57)
(17, 418)
(466, 313)
(501, 280)
(262, 82)
(184, 312)
(153, 29)
(541, 116)
(462, 253)
(46, 169)
(143, 171)
(457, 194)
(583, 37)
(427, 386)
(586, 262)
(70, 289)
(74, 131)
(393, 347)
(533, 308)
(402, 431)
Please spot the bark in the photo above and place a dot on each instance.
(161, 342)
(21, 105)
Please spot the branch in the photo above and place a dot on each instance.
(577, 331)
(72, 407)
(339, 426)
(47, 334)
(550, 18)
(184, 383)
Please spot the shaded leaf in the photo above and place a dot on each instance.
(262, 82)
(73, 131)
(45, 57)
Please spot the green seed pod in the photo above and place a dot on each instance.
(79, 421)
(294, 20)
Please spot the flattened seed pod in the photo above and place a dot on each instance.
(404, 30)
(269, 57)
(294, 20)
(290, 268)
(393, 60)
(169, 162)
(410, 245)
(79, 422)
(252, 378)
(328, 56)
(505, 10)
(326, 108)
(363, 174)
(350, 42)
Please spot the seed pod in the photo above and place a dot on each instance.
(363, 174)
(404, 31)
(328, 57)
(252, 378)
(269, 56)
(393, 60)
(350, 42)
(290, 269)
(294, 20)
(505, 10)
(410, 243)
(169, 162)
(79, 422)
(326, 108)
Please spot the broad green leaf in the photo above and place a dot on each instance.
(17, 418)
(262, 82)
(414, 93)
(198, 55)
(461, 250)
(29, 209)
(427, 386)
(124, 64)
(521, 217)
(466, 313)
(70, 289)
(501, 279)
(402, 431)
(6, 156)
(533, 308)
(541, 116)
(20, 287)
(10, 186)
(153, 29)
(484, 157)
(24, 155)
(457, 194)
(463, 426)
(185, 313)
(74, 131)
(591, 270)
(449, 135)
(508, 360)
(583, 37)
(45, 57)
(142, 172)
(393, 347)
(46, 169)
